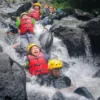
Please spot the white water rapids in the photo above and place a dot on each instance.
(80, 69)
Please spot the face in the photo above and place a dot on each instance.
(51, 9)
(56, 72)
(36, 7)
(46, 6)
(35, 50)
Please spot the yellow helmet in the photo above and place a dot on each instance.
(29, 46)
(54, 63)
(23, 14)
(37, 4)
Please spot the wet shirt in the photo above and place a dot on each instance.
(59, 83)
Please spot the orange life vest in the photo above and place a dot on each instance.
(38, 65)
(35, 14)
(26, 25)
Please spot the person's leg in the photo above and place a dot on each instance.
(33, 39)
(84, 92)
(24, 43)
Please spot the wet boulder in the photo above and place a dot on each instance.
(72, 38)
(1, 50)
(69, 12)
(98, 98)
(84, 92)
(92, 29)
(24, 8)
(97, 74)
(12, 79)
(79, 14)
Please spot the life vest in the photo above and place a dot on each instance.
(35, 14)
(26, 25)
(38, 65)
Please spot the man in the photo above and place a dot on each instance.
(61, 83)
(37, 61)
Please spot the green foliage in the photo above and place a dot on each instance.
(10, 1)
(61, 3)
(85, 5)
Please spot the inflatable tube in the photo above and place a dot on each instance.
(46, 40)
(84, 92)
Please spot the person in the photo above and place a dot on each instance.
(52, 9)
(54, 78)
(46, 11)
(26, 30)
(61, 82)
(36, 61)
(36, 12)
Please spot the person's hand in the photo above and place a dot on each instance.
(19, 31)
(15, 45)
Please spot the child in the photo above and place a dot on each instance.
(36, 12)
(37, 60)
(26, 30)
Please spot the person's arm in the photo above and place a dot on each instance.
(18, 22)
(41, 11)
(46, 56)
(70, 87)
(33, 21)
(26, 63)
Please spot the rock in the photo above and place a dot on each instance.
(92, 29)
(84, 92)
(58, 96)
(24, 8)
(97, 74)
(69, 12)
(12, 79)
(81, 15)
(1, 50)
(73, 39)
(98, 98)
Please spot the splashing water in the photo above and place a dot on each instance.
(59, 50)
(80, 71)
